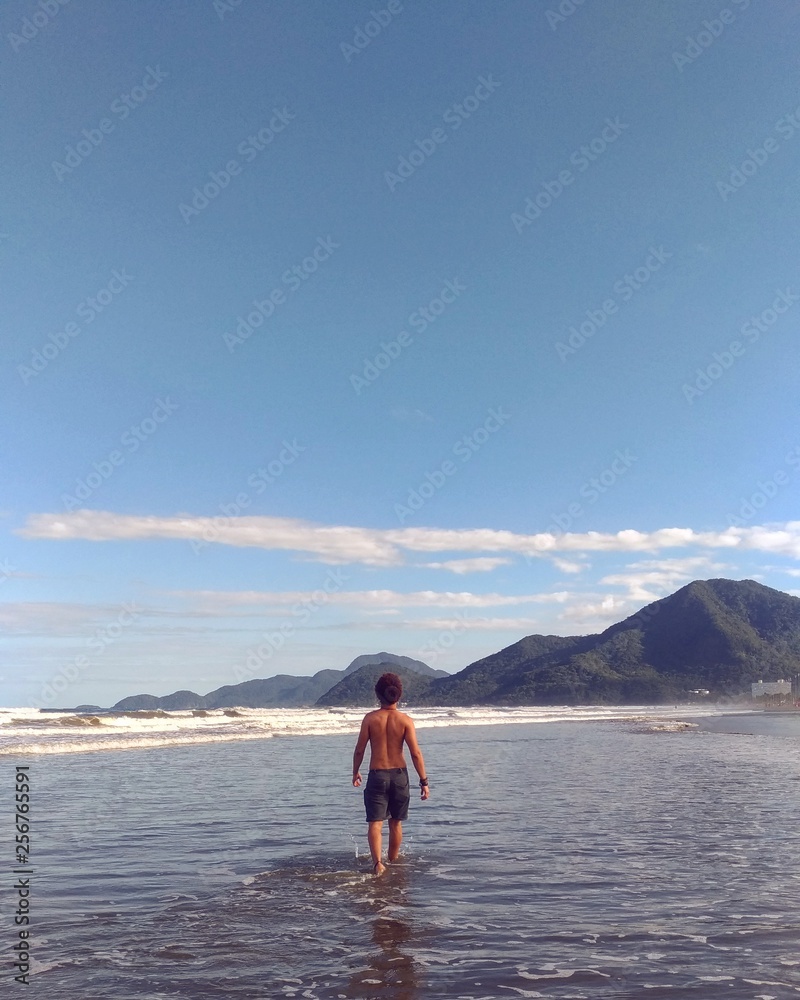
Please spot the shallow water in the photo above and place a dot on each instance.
(568, 860)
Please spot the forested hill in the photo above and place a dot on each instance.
(359, 688)
(714, 634)
(280, 691)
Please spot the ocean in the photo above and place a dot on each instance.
(564, 853)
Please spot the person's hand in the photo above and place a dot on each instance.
(357, 778)
(425, 792)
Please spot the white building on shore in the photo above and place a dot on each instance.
(772, 691)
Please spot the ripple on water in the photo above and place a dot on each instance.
(585, 877)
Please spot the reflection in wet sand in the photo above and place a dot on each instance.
(392, 970)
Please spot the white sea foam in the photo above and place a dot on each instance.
(26, 731)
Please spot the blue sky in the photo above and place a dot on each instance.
(329, 331)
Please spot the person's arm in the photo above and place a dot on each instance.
(416, 758)
(361, 746)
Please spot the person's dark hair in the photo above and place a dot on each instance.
(389, 689)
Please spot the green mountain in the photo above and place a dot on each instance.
(391, 660)
(358, 689)
(478, 683)
(714, 634)
(280, 691)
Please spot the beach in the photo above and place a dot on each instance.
(632, 856)
(451, 341)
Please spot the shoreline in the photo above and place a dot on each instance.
(751, 723)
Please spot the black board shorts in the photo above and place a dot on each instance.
(387, 794)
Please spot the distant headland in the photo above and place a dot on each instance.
(711, 637)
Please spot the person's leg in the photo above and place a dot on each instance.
(398, 807)
(374, 838)
(395, 838)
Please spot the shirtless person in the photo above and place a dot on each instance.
(386, 729)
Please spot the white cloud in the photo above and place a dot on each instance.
(203, 612)
(596, 614)
(480, 565)
(514, 627)
(366, 599)
(518, 627)
(53, 618)
(388, 547)
(569, 565)
(329, 544)
(654, 578)
(644, 581)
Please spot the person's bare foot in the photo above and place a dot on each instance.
(379, 868)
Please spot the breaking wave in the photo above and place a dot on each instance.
(30, 731)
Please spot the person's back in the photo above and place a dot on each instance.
(388, 729)
(387, 791)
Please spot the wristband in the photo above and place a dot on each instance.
(423, 782)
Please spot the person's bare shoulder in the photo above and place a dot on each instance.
(371, 717)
